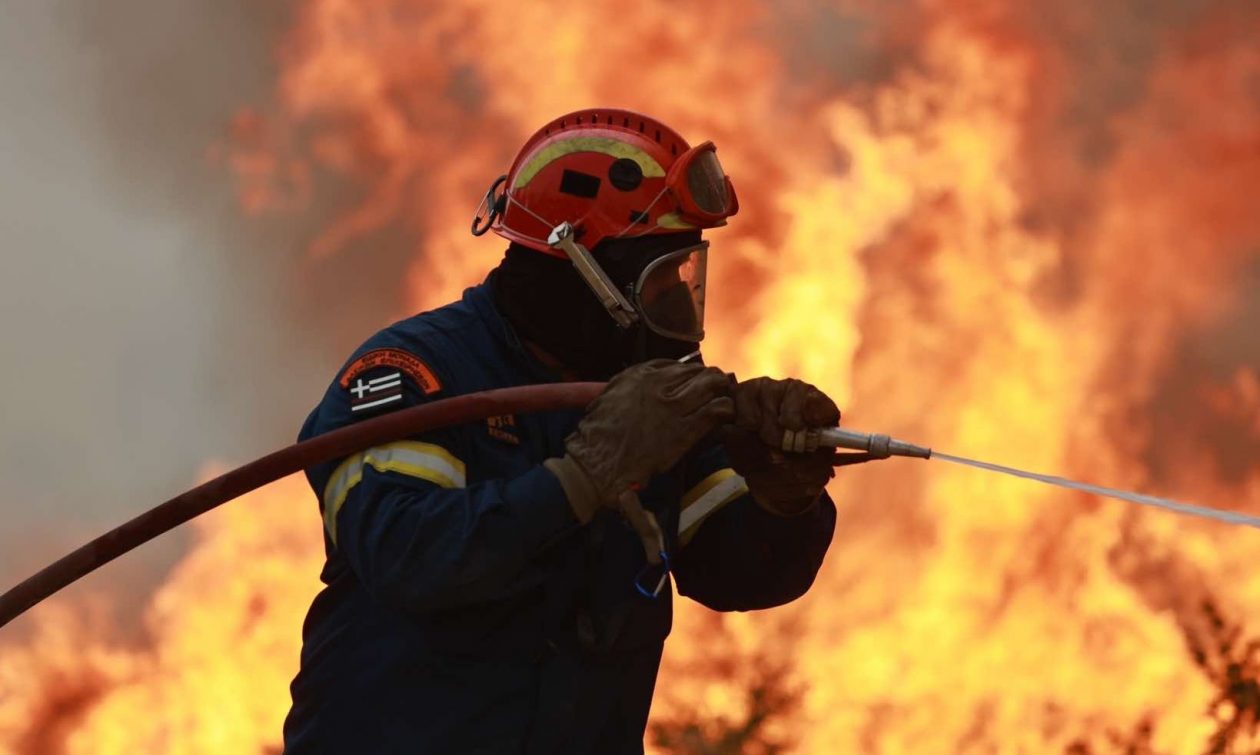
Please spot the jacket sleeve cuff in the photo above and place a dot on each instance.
(788, 513)
(541, 505)
(578, 489)
(815, 523)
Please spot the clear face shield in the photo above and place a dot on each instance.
(669, 295)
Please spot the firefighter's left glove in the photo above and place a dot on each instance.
(645, 420)
(783, 483)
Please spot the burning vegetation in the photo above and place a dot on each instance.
(1021, 232)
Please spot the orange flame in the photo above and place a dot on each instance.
(216, 677)
(939, 245)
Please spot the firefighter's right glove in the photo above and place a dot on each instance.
(646, 419)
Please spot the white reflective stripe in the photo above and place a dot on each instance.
(717, 490)
(378, 402)
(424, 461)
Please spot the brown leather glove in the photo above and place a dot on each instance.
(783, 483)
(645, 420)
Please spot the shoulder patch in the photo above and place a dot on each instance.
(401, 362)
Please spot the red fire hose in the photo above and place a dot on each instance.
(333, 445)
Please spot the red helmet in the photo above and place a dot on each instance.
(609, 174)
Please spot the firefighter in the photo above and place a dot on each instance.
(505, 586)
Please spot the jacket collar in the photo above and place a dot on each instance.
(481, 300)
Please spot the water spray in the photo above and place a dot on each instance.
(877, 446)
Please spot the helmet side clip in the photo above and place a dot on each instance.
(492, 207)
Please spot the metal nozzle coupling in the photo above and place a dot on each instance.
(878, 446)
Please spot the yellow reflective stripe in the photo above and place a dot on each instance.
(424, 461)
(601, 144)
(705, 485)
(672, 220)
(713, 492)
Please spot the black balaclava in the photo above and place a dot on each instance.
(548, 303)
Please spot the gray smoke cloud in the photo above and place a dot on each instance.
(146, 326)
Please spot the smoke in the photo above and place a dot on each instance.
(145, 326)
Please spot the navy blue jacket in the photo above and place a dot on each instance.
(465, 609)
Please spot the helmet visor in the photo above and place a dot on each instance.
(670, 293)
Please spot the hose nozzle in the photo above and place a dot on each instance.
(878, 446)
